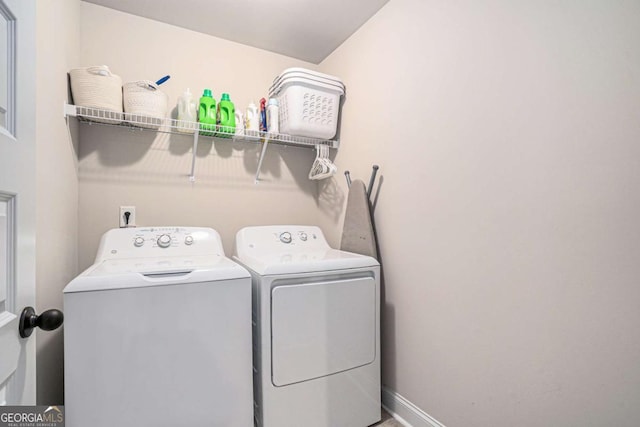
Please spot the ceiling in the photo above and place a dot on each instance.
(305, 29)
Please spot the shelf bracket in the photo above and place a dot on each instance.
(192, 177)
(262, 153)
(69, 110)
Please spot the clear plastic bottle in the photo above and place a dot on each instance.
(272, 116)
(187, 113)
(252, 120)
(239, 123)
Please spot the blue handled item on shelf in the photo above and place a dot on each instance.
(162, 80)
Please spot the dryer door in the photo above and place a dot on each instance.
(322, 328)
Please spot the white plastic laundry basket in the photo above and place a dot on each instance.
(304, 76)
(309, 109)
(96, 87)
(144, 104)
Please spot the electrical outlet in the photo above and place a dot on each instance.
(131, 222)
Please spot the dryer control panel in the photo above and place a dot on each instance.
(292, 249)
(281, 238)
(159, 241)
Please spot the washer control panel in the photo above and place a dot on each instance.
(159, 241)
(164, 241)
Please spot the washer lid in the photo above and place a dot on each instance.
(159, 271)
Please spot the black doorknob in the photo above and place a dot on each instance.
(47, 321)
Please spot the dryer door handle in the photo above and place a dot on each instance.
(47, 321)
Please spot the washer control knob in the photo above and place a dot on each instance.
(138, 241)
(164, 241)
(285, 237)
(303, 236)
(188, 240)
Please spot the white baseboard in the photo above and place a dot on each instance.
(405, 412)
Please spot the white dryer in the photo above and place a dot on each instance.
(158, 333)
(316, 343)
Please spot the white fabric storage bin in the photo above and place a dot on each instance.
(145, 104)
(308, 109)
(96, 87)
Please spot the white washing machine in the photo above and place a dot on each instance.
(316, 343)
(158, 333)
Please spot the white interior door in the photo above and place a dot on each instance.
(17, 196)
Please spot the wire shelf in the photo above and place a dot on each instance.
(194, 129)
(182, 127)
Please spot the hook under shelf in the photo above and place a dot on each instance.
(262, 153)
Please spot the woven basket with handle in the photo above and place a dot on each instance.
(96, 87)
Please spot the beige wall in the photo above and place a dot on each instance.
(57, 182)
(120, 167)
(507, 138)
(507, 135)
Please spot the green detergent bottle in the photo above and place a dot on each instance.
(207, 114)
(226, 117)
